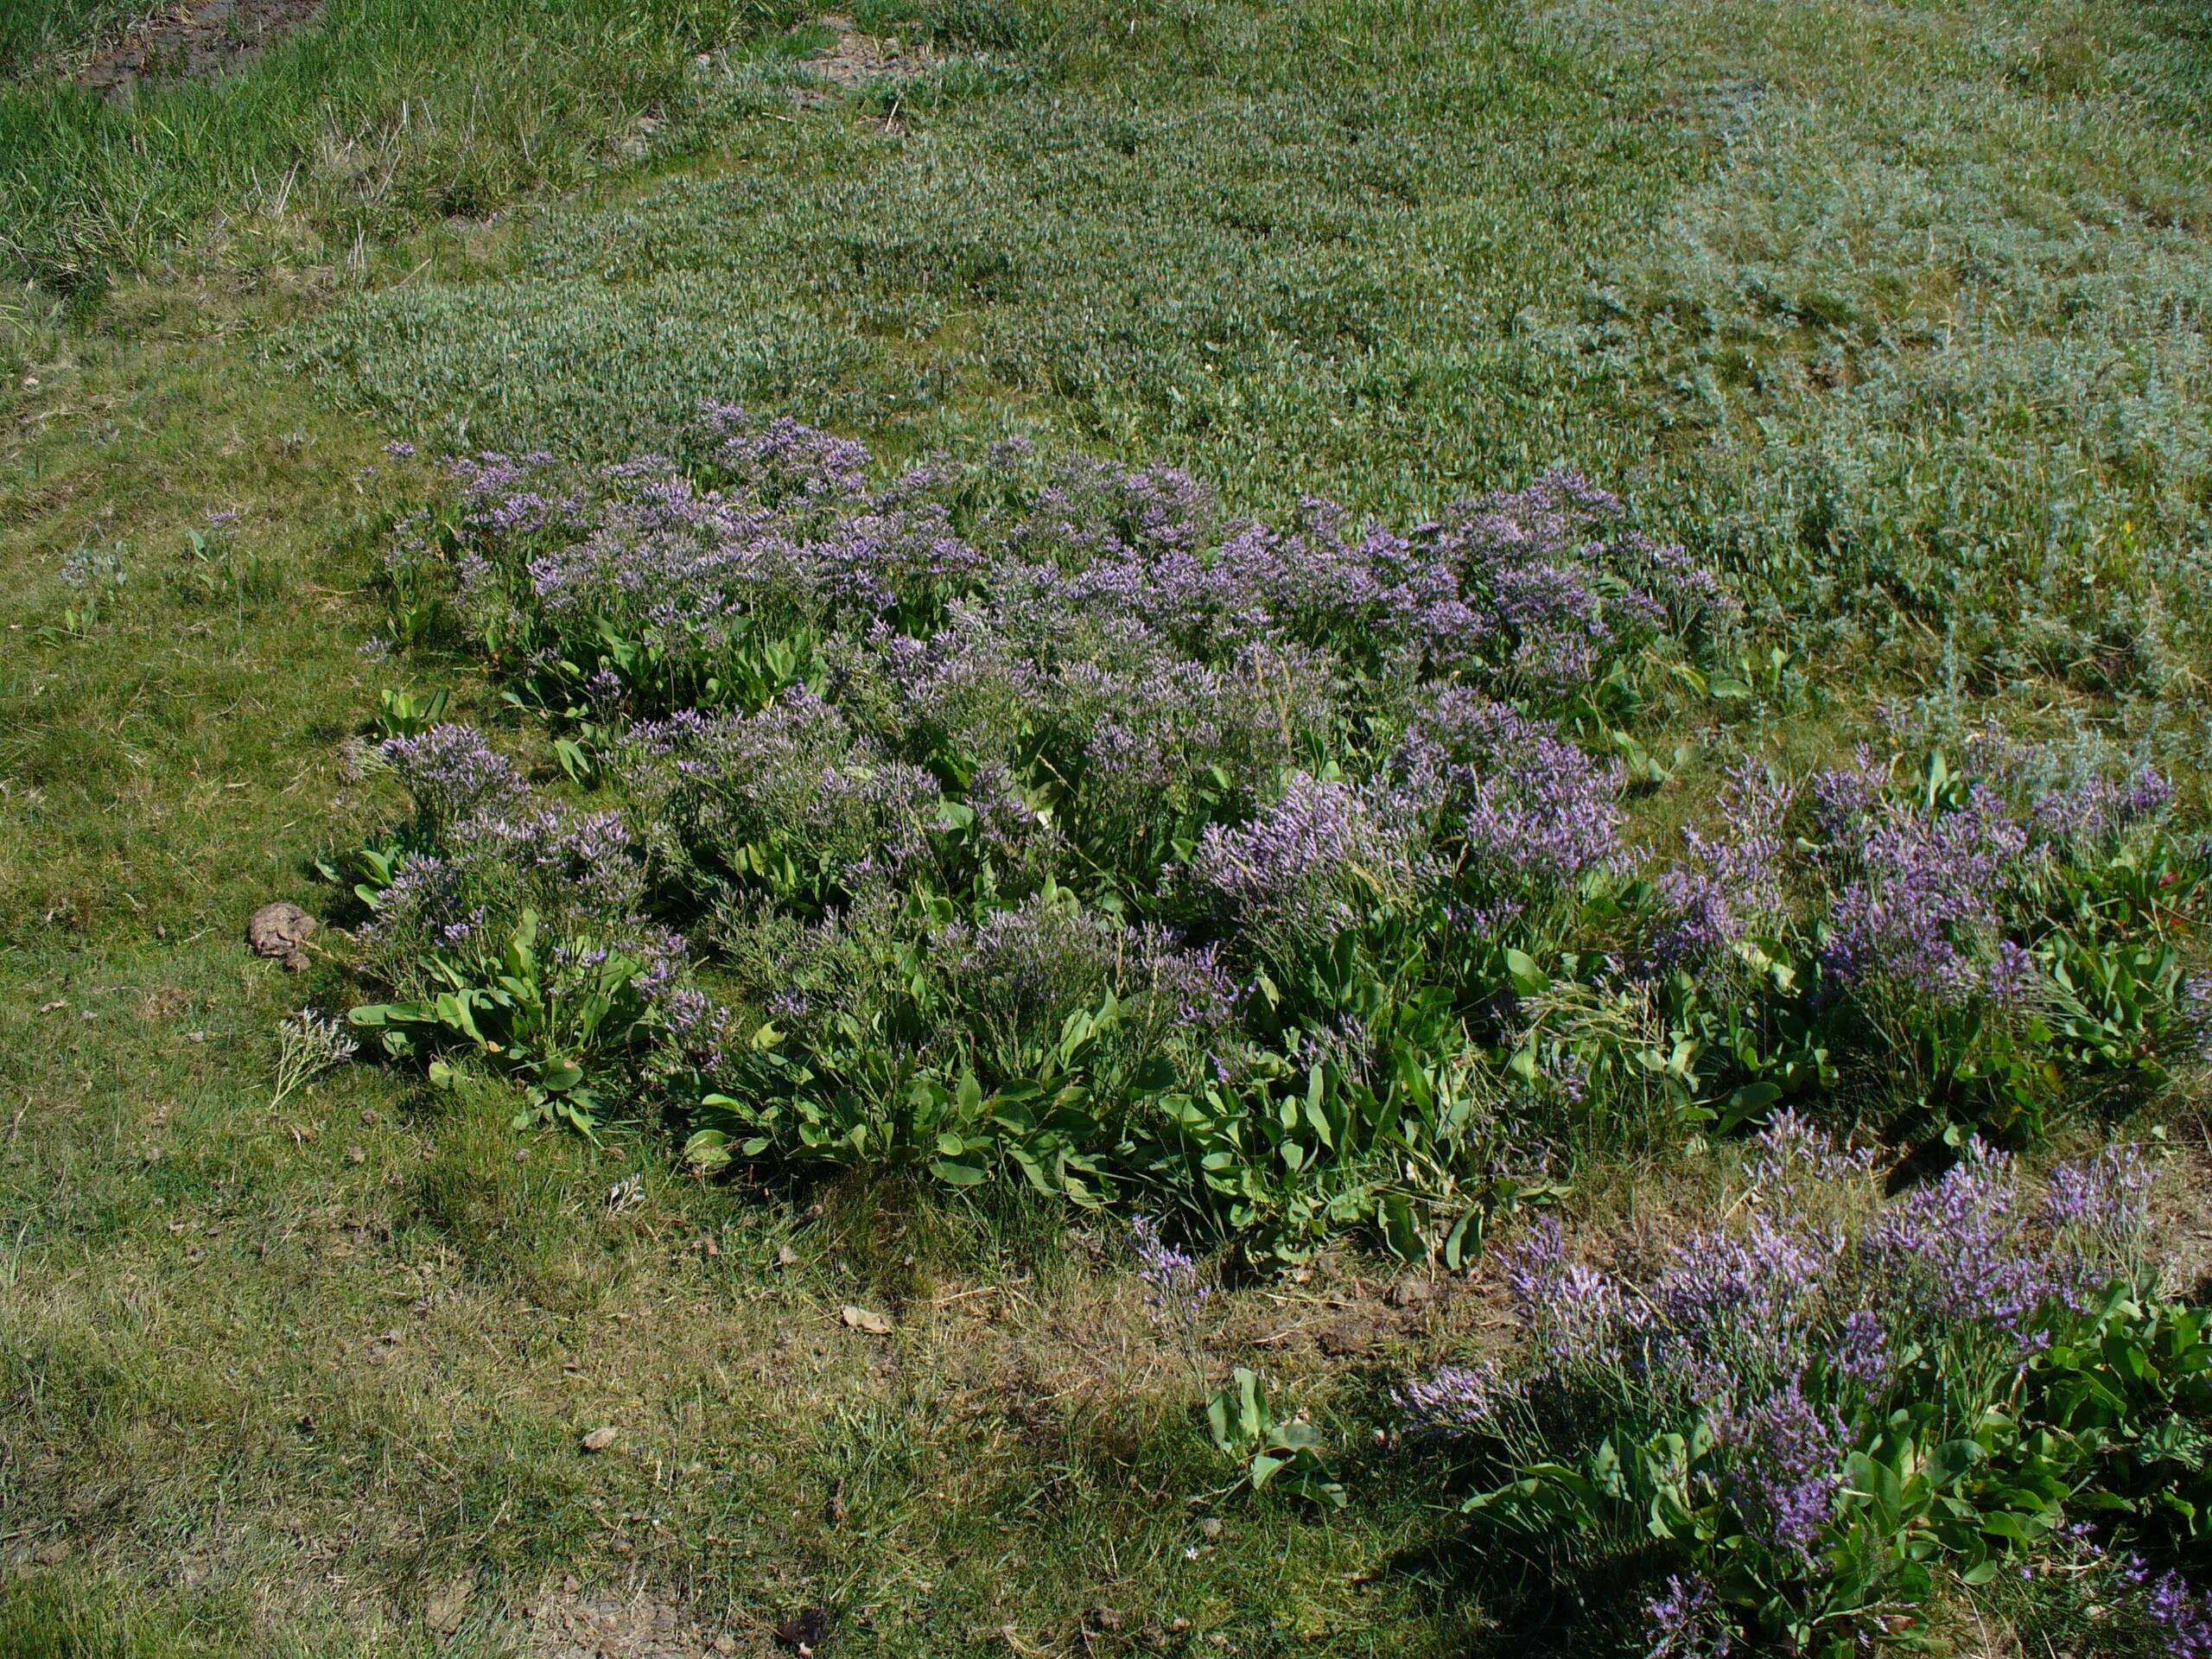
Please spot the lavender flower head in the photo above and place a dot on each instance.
(1734, 886)
(452, 772)
(1686, 1622)
(1796, 1159)
(1174, 1286)
(1513, 802)
(1452, 1399)
(1301, 858)
(1789, 1461)
(1572, 1308)
(2181, 1615)
(2107, 1196)
(1926, 904)
(1958, 1251)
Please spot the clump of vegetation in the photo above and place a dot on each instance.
(1046, 823)
(1790, 1422)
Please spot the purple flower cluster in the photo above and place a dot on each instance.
(1960, 1250)
(1174, 1288)
(790, 796)
(1524, 591)
(774, 460)
(1510, 803)
(1787, 1464)
(1688, 1621)
(1734, 886)
(507, 495)
(1796, 1159)
(2182, 1616)
(452, 772)
(2096, 805)
(1034, 960)
(1733, 1303)
(1318, 849)
(586, 860)
(1572, 1310)
(1453, 1399)
(2107, 1195)
(1925, 896)
(1787, 1328)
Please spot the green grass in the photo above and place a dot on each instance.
(31, 29)
(1899, 310)
(379, 115)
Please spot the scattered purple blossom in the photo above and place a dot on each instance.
(1174, 1288)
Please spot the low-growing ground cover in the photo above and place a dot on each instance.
(1136, 1061)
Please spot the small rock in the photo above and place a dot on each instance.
(281, 931)
(1412, 1292)
(600, 1439)
(866, 1319)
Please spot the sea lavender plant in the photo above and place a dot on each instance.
(1927, 901)
(1687, 1621)
(1511, 806)
(1734, 886)
(1572, 1310)
(1175, 1288)
(1958, 1251)
(1455, 1400)
(1748, 1366)
(1309, 867)
(2182, 1616)
(452, 772)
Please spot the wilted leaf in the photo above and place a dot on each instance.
(867, 1319)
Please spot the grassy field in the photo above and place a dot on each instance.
(1894, 314)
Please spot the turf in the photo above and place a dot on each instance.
(1897, 310)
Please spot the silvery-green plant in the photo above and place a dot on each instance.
(309, 1044)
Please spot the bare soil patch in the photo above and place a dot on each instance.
(569, 1624)
(195, 40)
(854, 59)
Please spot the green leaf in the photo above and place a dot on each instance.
(1527, 978)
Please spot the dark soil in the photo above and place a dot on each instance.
(195, 40)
